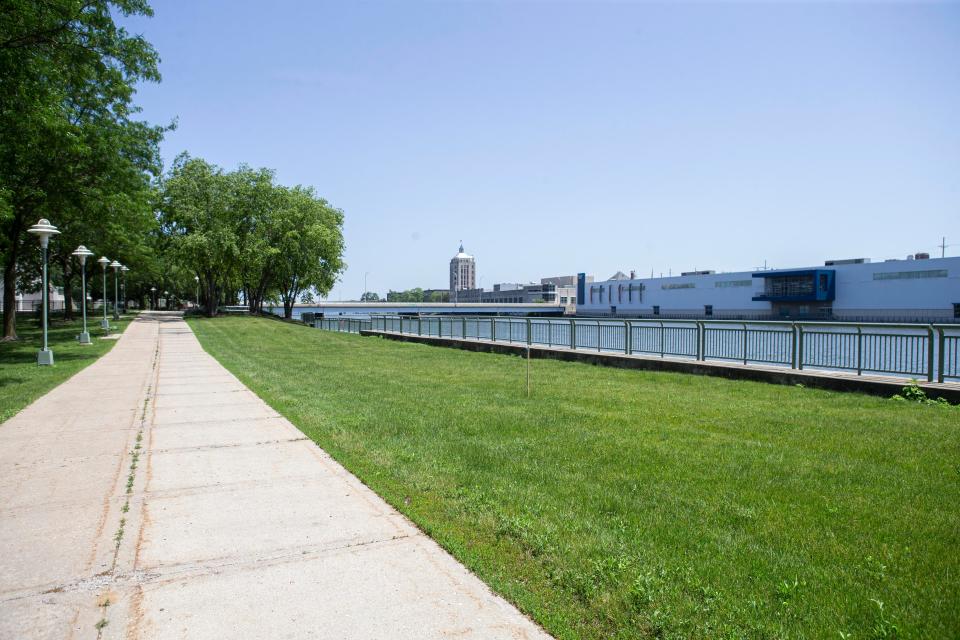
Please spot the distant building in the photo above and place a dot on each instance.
(31, 301)
(463, 273)
(915, 289)
(515, 293)
(564, 281)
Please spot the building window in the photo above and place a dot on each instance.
(708, 309)
(910, 275)
(956, 309)
(788, 286)
(826, 312)
(681, 285)
(656, 309)
(733, 283)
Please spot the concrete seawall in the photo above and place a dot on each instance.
(832, 380)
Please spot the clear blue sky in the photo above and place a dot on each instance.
(563, 137)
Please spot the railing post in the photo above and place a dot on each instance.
(941, 361)
(573, 334)
(700, 342)
(493, 329)
(930, 354)
(859, 351)
(463, 333)
(529, 327)
(549, 332)
(599, 336)
(419, 327)
(744, 344)
(662, 335)
(628, 337)
(793, 345)
(799, 347)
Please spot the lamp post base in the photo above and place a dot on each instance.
(105, 325)
(44, 357)
(84, 338)
(116, 316)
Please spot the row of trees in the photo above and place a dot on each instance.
(245, 236)
(418, 295)
(72, 150)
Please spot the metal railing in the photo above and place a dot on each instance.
(343, 325)
(930, 352)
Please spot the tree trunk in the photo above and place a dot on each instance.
(10, 294)
(67, 291)
(211, 298)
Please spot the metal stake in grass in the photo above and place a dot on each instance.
(528, 370)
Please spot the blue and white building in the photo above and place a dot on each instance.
(915, 289)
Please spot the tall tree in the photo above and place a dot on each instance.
(196, 216)
(309, 234)
(255, 197)
(69, 140)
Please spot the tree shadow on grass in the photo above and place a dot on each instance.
(7, 380)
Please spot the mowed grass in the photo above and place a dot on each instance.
(627, 504)
(22, 381)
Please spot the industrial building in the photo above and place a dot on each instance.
(530, 293)
(915, 289)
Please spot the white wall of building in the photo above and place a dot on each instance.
(877, 288)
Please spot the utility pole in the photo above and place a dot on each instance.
(943, 247)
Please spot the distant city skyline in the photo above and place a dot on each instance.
(559, 138)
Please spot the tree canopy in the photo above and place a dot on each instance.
(72, 150)
(242, 234)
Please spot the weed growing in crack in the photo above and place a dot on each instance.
(118, 536)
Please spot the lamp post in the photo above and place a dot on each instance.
(103, 262)
(166, 300)
(44, 230)
(116, 293)
(197, 280)
(153, 293)
(123, 286)
(82, 252)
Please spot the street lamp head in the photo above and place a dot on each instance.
(82, 252)
(196, 278)
(153, 288)
(43, 230)
(124, 268)
(103, 262)
(116, 265)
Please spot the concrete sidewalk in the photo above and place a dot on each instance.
(154, 496)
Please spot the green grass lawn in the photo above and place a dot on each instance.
(22, 381)
(624, 504)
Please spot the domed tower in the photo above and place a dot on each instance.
(463, 272)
